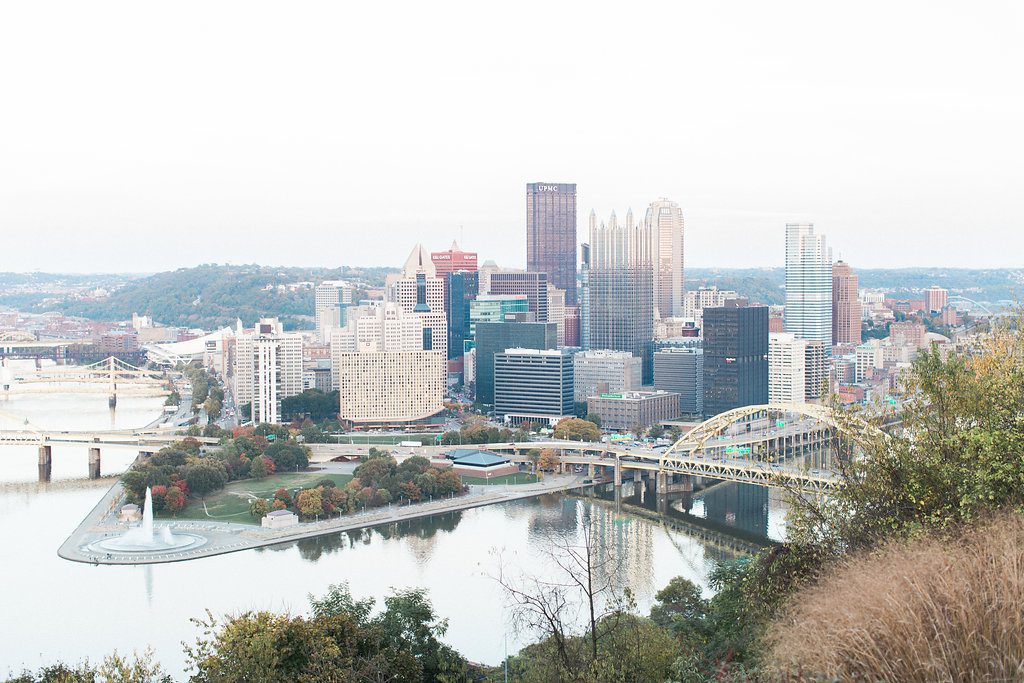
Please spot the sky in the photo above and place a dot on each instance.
(139, 137)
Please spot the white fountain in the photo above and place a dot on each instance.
(143, 538)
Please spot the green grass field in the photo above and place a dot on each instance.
(518, 478)
(232, 503)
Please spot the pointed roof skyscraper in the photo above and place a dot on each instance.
(419, 262)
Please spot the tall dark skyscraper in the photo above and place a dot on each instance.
(492, 338)
(551, 234)
(735, 358)
(463, 287)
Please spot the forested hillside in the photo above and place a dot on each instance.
(213, 295)
(767, 285)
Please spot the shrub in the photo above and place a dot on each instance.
(930, 610)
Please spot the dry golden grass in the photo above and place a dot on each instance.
(933, 610)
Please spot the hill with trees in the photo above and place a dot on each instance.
(213, 295)
(767, 285)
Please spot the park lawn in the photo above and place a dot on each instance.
(231, 504)
(517, 478)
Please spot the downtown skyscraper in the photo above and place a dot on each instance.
(621, 288)
(665, 221)
(846, 308)
(735, 357)
(808, 284)
(458, 270)
(418, 290)
(551, 234)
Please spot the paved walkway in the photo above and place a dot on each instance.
(228, 537)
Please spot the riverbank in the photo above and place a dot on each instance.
(229, 537)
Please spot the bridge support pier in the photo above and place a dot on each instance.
(45, 462)
(618, 475)
(661, 492)
(591, 471)
(94, 463)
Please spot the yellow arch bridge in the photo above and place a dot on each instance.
(793, 446)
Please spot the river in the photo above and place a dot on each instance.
(60, 610)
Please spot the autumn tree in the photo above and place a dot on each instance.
(258, 468)
(575, 429)
(547, 460)
(309, 502)
(411, 491)
(282, 495)
(259, 507)
(174, 500)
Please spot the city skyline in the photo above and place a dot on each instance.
(553, 352)
(226, 140)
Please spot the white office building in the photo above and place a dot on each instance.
(696, 300)
(808, 284)
(329, 298)
(787, 369)
(556, 311)
(870, 356)
(382, 371)
(267, 368)
(418, 290)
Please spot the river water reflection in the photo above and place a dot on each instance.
(70, 611)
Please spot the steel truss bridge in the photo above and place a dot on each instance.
(24, 433)
(111, 376)
(793, 446)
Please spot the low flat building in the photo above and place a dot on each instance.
(279, 519)
(473, 462)
(631, 409)
(129, 513)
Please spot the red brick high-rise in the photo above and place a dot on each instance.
(846, 309)
(453, 260)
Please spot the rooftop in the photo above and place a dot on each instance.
(477, 458)
(634, 395)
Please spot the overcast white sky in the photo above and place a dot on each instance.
(142, 136)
